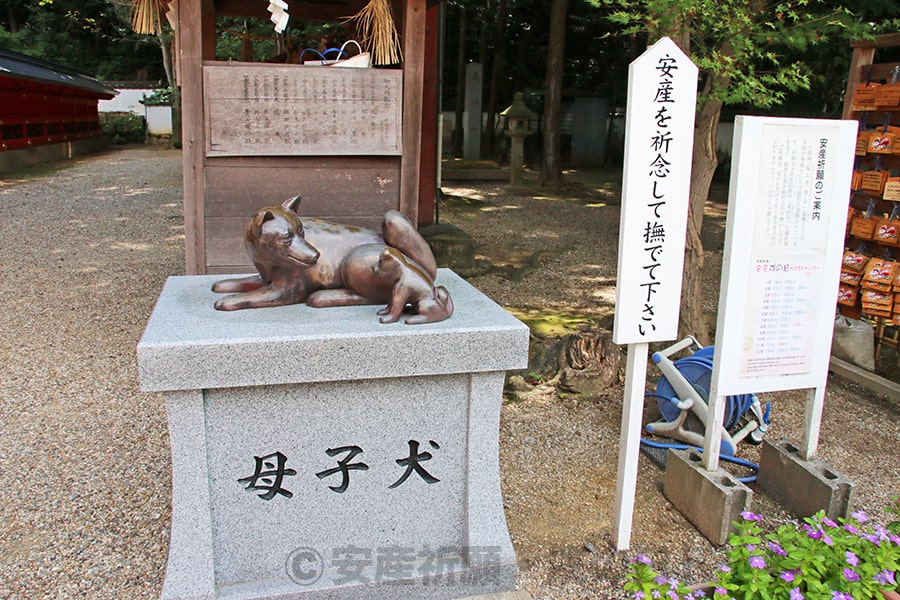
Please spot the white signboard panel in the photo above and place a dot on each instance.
(659, 133)
(787, 211)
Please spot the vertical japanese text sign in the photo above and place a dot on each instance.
(659, 137)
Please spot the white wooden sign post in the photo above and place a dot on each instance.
(787, 211)
(659, 131)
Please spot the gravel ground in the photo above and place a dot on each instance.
(84, 460)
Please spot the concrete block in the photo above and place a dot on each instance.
(802, 486)
(320, 454)
(710, 500)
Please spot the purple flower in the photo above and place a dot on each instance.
(774, 547)
(841, 596)
(851, 575)
(660, 580)
(827, 539)
(720, 591)
(757, 562)
(860, 516)
(749, 516)
(750, 547)
(638, 594)
(871, 537)
(674, 595)
(851, 528)
(829, 522)
(852, 559)
(814, 534)
(885, 578)
(725, 569)
(643, 559)
(656, 593)
(788, 576)
(796, 594)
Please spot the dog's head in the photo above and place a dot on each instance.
(274, 236)
(388, 265)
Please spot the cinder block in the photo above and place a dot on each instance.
(710, 500)
(802, 486)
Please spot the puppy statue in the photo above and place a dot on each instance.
(411, 287)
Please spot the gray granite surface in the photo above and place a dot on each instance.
(187, 344)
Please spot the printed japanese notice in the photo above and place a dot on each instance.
(786, 217)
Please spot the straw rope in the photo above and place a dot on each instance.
(375, 27)
(145, 16)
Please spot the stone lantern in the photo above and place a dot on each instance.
(517, 116)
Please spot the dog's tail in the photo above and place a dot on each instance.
(398, 232)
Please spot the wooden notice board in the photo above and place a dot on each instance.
(254, 109)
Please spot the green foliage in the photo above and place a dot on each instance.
(299, 35)
(848, 559)
(92, 36)
(160, 97)
(123, 127)
(894, 509)
(747, 52)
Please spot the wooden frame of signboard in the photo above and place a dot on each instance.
(229, 172)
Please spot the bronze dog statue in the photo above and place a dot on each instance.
(319, 262)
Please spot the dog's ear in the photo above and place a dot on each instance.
(292, 203)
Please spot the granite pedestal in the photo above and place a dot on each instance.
(317, 453)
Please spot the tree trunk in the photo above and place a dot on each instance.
(692, 321)
(551, 168)
(497, 64)
(12, 24)
(460, 84)
(166, 41)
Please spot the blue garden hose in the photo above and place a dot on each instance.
(697, 370)
(738, 461)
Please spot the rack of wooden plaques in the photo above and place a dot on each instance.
(870, 275)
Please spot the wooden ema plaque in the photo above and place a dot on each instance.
(892, 189)
(293, 110)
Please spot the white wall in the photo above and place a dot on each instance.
(128, 100)
(158, 118)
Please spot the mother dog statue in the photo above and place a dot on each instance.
(321, 263)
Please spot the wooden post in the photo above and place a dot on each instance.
(815, 403)
(413, 85)
(430, 118)
(629, 444)
(190, 46)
